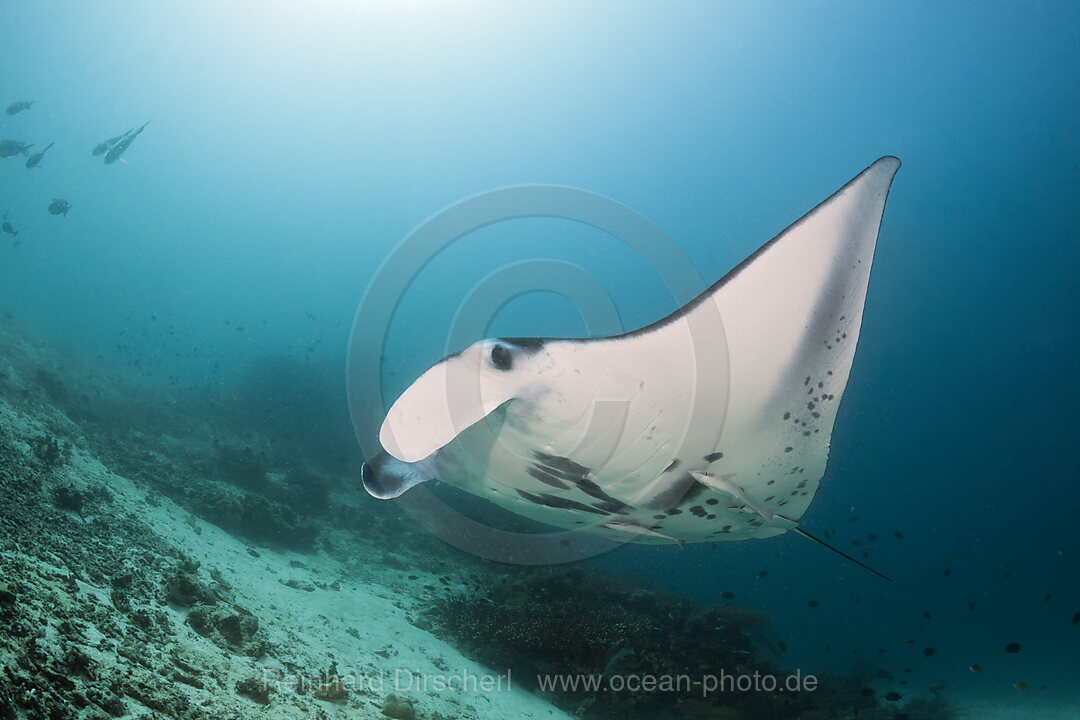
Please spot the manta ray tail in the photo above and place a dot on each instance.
(841, 553)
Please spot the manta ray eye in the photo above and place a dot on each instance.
(501, 358)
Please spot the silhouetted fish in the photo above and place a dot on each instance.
(13, 147)
(121, 147)
(1013, 648)
(35, 159)
(18, 106)
(105, 145)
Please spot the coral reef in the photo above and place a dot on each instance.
(572, 622)
(399, 708)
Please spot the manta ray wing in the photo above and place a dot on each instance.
(603, 434)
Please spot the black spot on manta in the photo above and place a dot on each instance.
(713, 457)
(711, 501)
(788, 449)
(591, 489)
(679, 491)
(545, 477)
(698, 511)
(659, 517)
(710, 516)
(673, 511)
(787, 416)
(613, 506)
(549, 500)
(562, 467)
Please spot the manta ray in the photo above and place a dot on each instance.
(710, 424)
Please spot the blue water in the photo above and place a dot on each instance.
(292, 145)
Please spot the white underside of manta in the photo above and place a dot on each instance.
(739, 387)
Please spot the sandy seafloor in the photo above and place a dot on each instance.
(59, 571)
(90, 622)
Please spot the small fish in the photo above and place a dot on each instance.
(6, 227)
(18, 106)
(1047, 598)
(948, 572)
(631, 527)
(937, 687)
(867, 692)
(59, 206)
(105, 145)
(898, 535)
(929, 652)
(1013, 648)
(34, 160)
(723, 484)
(121, 147)
(8, 148)
(971, 606)
(927, 615)
(894, 697)
(1076, 618)
(727, 595)
(812, 603)
(1020, 686)
(975, 669)
(909, 641)
(763, 573)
